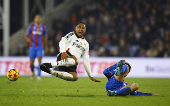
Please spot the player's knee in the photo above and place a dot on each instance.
(75, 60)
(76, 63)
(136, 86)
(31, 64)
(75, 78)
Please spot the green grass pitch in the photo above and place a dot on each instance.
(53, 91)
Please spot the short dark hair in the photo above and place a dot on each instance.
(79, 23)
(38, 15)
(128, 66)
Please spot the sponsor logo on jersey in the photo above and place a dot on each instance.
(78, 45)
(36, 32)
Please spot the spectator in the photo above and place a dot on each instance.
(142, 53)
(152, 52)
(167, 54)
(140, 23)
(122, 49)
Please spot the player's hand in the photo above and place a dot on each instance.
(46, 50)
(64, 56)
(156, 95)
(95, 80)
(28, 40)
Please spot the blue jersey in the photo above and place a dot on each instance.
(36, 35)
(112, 83)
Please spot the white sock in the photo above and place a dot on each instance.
(62, 75)
(70, 62)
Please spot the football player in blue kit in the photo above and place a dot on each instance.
(116, 85)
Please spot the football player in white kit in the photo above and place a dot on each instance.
(72, 47)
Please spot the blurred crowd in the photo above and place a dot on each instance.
(126, 28)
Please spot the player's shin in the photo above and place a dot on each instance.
(141, 94)
(70, 62)
(39, 71)
(120, 92)
(62, 75)
(123, 91)
(46, 67)
(33, 74)
(32, 68)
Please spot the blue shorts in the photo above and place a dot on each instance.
(36, 52)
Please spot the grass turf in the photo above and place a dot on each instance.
(84, 92)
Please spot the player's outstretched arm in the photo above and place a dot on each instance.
(156, 95)
(86, 63)
(95, 80)
(88, 69)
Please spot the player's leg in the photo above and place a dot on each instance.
(32, 57)
(74, 74)
(39, 54)
(70, 61)
(125, 90)
(46, 66)
(70, 75)
(134, 92)
(39, 70)
(32, 69)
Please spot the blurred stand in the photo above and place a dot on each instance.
(125, 28)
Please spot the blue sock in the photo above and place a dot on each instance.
(39, 71)
(32, 68)
(124, 91)
(141, 94)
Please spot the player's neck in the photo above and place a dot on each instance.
(120, 77)
(37, 24)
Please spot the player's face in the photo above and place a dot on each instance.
(37, 19)
(80, 29)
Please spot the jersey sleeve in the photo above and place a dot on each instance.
(64, 40)
(29, 30)
(45, 31)
(109, 72)
(86, 52)
(86, 62)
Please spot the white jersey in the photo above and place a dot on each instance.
(78, 47)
